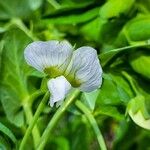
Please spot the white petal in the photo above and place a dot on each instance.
(42, 55)
(65, 54)
(86, 68)
(59, 88)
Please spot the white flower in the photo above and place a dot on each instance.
(43, 55)
(58, 88)
(86, 69)
(80, 68)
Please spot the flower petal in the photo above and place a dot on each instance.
(42, 55)
(86, 68)
(59, 88)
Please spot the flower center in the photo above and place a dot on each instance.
(54, 72)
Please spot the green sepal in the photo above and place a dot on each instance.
(54, 72)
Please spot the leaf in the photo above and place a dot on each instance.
(4, 145)
(111, 93)
(78, 133)
(94, 34)
(109, 55)
(16, 8)
(8, 132)
(123, 84)
(72, 19)
(110, 111)
(115, 8)
(1, 48)
(65, 6)
(138, 29)
(144, 5)
(62, 143)
(89, 99)
(139, 62)
(72, 4)
(120, 129)
(113, 28)
(138, 112)
(144, 89)
(14, 72)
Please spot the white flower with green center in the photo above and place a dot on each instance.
(66, 68)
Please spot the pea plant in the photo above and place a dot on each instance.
(74, 75)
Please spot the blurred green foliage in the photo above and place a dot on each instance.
(106, 25)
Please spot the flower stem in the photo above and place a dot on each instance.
(29, 116)
(93, 122)
(33, 121)
(19, 23)
(56, 118)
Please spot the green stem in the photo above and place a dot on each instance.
(93, 122)
(56, 118)
(107, 56)
(19, 23)
(29, 116)
(34, 119)
(36, 94)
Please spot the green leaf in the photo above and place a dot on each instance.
(110, 111)
(138, 112)
(111, 93)
(62, 143)
(72, 19)
(94, 34)
(14, 72)
(60, 7)
(139, 62)
(114, 8)
(8, 132)
(16, 8)
(4, 145)
(120, 129)
(89, 99)
(144, 6)
(109, 55)
(110, 30)
(70, 3)
(1, 48)
(123, 85)
(138, 29)
(78, 133)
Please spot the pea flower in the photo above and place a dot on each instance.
(66, 68)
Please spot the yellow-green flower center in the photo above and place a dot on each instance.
(54, 72)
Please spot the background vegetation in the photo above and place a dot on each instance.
(107, 26)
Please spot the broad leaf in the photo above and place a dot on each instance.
(138, 29)
(111, 92)
(72, 19)
(138, 112)
(16, 8)
(115, 8)
(109, 111)
(13, 85)
(94, 34)
(89, 99)
(139, 63)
